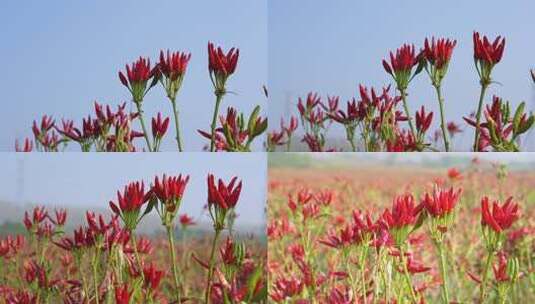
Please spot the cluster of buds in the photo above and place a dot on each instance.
(222, 198)
(44, 226)
(486, 56)
(423, 123)
(129, 204)
(45, 135)
(402, 219)
(172, 68)
(168, 192)
(237, 132)
(282, 137)
(401, 66)
(440, 206)
(159, 128)
(501, 129)
(137, 78)
(495, 220)
(221, 66)
(437, 56)
(10, 247)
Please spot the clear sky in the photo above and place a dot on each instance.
(332, 46)
(60, 56)
(88, 180)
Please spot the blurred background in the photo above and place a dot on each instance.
(88, 181)
(332, 47)
(523, 161)
(59, 57)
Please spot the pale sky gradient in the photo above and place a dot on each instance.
(86, 180)
(60, 56)
(331, 47)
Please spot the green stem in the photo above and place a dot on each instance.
(95, 276)
(142, 122)
(407, 276)
(173, 257)
(177, 128)
(483, 286)
(444, 273)
(478, 116)
(211, 267)
(363, 273)
(407, 112)
(219, 98)
(443, 125)
(136, 254)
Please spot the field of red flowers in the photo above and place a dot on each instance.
(394, 234)
(104, 260)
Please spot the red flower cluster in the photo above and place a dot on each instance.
(131, 200)
(489, 53)
(404, 212)
(499, 217)
(441, 202)
(221, 64)
(221, 195)
(170, 189)
(438, 53)
(403, 61)
(159, 126)
(140, 73)
(173, 66)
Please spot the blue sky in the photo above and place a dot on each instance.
(60, 56)
(88, 180)
(331, 48)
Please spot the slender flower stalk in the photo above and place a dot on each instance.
(437, 55)
(172, 67)
(486, 56)
(220, 67)
(169, 191)
(136, 80)
(222, 199)
(400, 68)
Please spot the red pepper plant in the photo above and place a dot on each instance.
(104, 260)
(335, 238)
(114, 131)
(385, 122)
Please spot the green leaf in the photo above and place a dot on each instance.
(518, 116)
(252, 120)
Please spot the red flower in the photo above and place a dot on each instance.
(152, 277)
(500, 217)
(438, 52)
(132, 198)
(486, 52)
(61, 217)
(173, 66)
(39, 215)
(441, 202)
(404, 60)
(27, 147)
(222, 64)
(453, 128)
(139, 73)
(404, 212)
(423, 120)
(170, 189)
(186, 220)
(223, 196)
(137, 78)
(122, 295)
(454, 174)
(159, 126)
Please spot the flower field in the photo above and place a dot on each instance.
(401, 234)
(104, 260)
